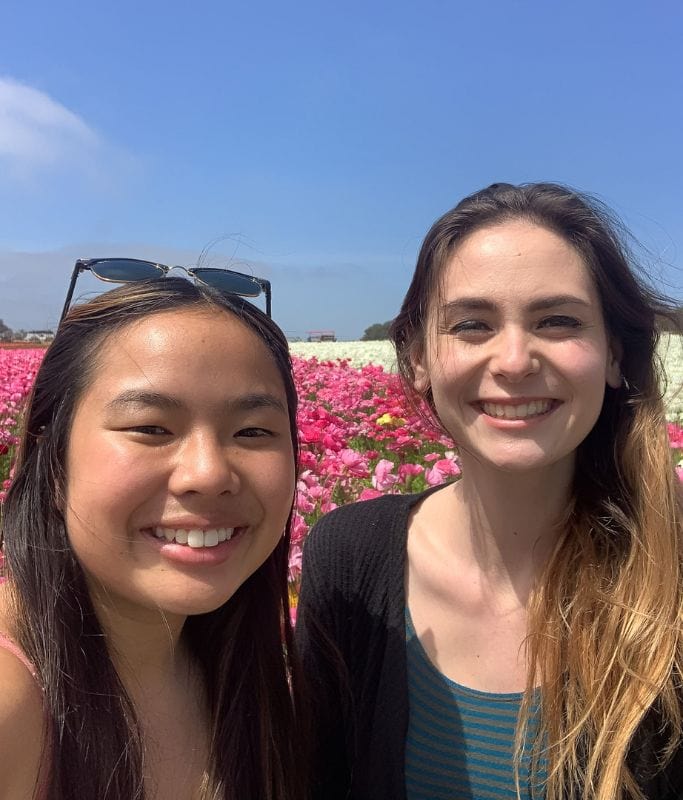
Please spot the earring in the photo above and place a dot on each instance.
(624, 383)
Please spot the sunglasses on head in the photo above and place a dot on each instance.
(129, 270)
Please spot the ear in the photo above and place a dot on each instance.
(613, 372)
(421, 381)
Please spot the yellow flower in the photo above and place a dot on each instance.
(387, 419)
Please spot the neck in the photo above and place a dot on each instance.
(145, 645)
(512, 521)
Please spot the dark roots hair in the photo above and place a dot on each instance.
(605, 631)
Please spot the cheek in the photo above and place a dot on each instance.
(587, 369)
(274, 481)
(104, 481)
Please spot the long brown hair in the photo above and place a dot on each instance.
(244, 650)
(605, 631)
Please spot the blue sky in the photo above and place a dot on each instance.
(321, 139)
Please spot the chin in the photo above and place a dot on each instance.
(520, 462)
(194, 603)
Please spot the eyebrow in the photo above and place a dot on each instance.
(145, 398)
(250, 402)
(543, 303)
(139, 397)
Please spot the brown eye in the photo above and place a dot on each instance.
(150, 430)
(560, 321)
(251, 433)
(469, 326)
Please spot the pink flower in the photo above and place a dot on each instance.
(354, 462)
(409, 470)
(384, 477)
(295, 559)
(434, 476)
(675, 435)
(303, 504)
(369, 494)
(447, 466)
(299, 528)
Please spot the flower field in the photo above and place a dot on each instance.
(359, 437)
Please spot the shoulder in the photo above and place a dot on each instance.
(657, 780)
(362, 526)
(354, 557)
(21, 726)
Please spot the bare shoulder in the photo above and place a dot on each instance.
(21, 725)
(437, 511)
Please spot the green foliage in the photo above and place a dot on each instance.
(376, 332)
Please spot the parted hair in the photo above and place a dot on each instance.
(605, 631)
(244, 650)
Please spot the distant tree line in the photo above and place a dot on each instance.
(376, 332)
(8, 335)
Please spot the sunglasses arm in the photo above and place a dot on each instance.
(78, 268)
(265, 285)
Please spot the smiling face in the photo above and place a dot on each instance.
(516, 352)
(180, 467)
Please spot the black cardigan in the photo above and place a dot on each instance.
(351, 630)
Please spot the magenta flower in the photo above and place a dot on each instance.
(675, 436)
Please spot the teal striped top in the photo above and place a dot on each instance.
(460, 741)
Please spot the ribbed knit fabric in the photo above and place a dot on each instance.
(460, 742)
(351, 631)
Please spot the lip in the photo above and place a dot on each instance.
(182, 554)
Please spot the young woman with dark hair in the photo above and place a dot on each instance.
(518, 633)
(145, 643)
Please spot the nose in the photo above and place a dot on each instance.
(204, 466)
(513, 355)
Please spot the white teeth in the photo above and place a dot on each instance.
(194, 537)
(522, 411)
(210, 538)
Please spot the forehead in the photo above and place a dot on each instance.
(191, 350)
(513, 259)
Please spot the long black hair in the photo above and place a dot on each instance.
(244, 650)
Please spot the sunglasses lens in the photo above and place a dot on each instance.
(122, 270)
(229, 281)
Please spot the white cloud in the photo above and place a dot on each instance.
(39, 135)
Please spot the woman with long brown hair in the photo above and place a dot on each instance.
(145, 643)
(518, 633)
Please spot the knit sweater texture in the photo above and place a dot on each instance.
(351, 631)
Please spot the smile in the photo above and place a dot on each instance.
(194, 537)
(534, 408)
